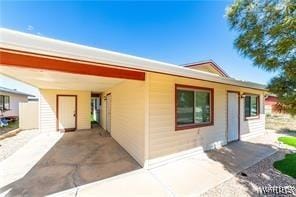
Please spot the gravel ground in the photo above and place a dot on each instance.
(281, 123)
(258, 175)
(10, 145)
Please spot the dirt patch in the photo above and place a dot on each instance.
(281, 123)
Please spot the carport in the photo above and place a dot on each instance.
(67, 75)
(87, 154)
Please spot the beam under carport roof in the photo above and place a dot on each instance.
(38, 61)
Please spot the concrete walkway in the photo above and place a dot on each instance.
(197, 174)
(190, 176)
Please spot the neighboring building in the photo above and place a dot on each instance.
(271, 105)
(9, 101)
(156, 111)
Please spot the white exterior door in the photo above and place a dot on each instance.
(233, 116)
(66, 113)
(108, 113)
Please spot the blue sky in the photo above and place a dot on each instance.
(173, 32)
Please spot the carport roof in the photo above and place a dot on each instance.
(24, 42)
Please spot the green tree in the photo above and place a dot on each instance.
(267, 35)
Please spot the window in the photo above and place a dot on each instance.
(193, 107)
(251, 106)
(185, 107)
(4, 102)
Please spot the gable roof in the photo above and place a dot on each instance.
(13, 91)
(207, 66)
(18, 41)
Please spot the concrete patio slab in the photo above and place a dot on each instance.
(190, 176)
(239, 155)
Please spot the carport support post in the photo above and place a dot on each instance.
(146, 131)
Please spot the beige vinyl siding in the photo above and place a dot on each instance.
(165, 141)
(48, 108)
(128, 117)
(252, 127)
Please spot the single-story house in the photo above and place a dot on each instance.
(9, 101)
(156, 111)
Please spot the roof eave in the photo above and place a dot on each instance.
(14, 40)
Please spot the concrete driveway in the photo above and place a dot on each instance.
(55, 162)
(93, 165)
